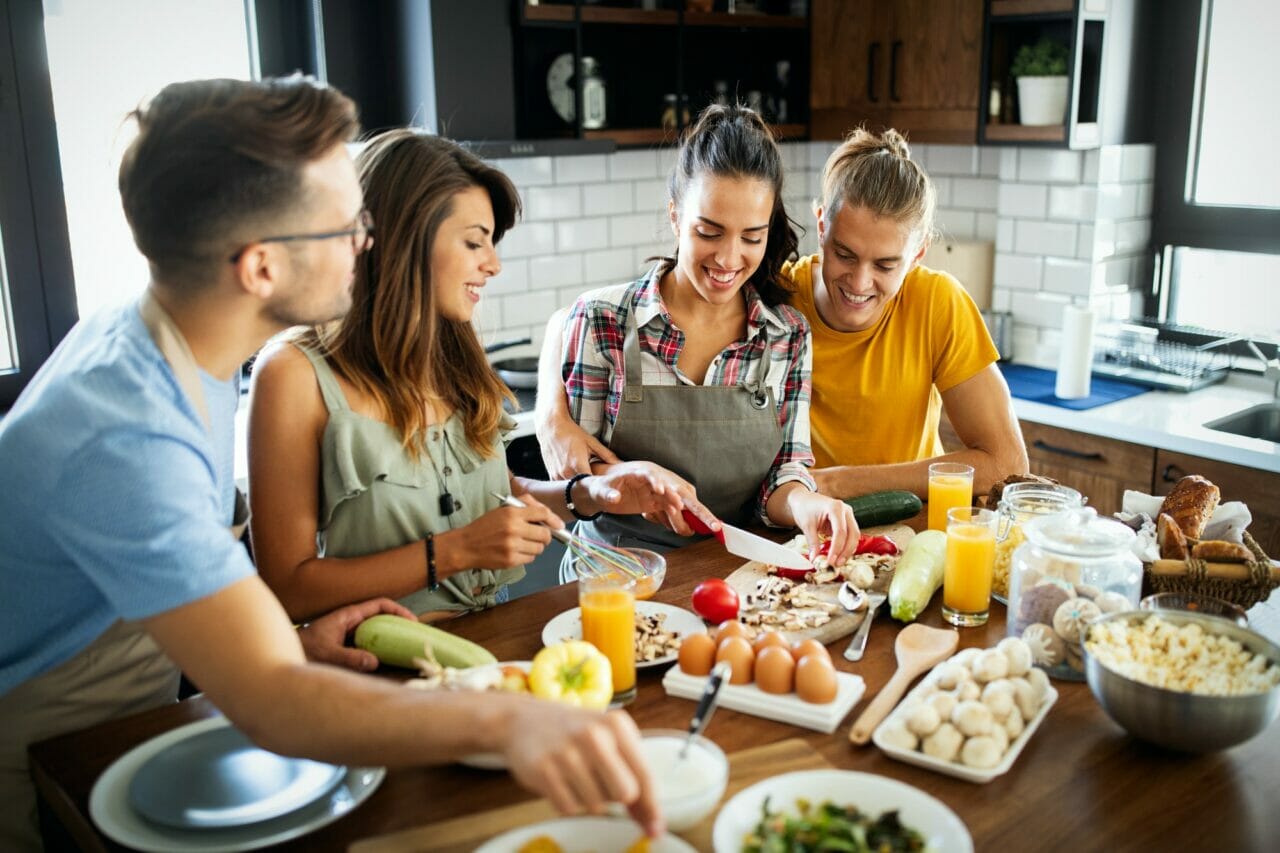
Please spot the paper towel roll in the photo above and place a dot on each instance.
(1075, 359)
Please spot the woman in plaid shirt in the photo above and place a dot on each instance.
(701, 366)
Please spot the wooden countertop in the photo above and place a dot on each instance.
(1080, 783)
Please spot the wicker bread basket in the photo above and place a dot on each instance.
(1242, 584)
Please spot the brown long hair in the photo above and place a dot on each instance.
(393, 345)
(877, 172)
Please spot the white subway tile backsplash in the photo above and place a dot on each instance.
(650, 195)
(527, 171)
(1074, 278)
(605, 199)
(584, 168)
(551, 271)
(614, 265)
(1137, 163)
(631, 165)
(818, 154)
(1146, 193)
(1045, 238)
(513, 278)
(1132, 235)
(637, 229)
(541, 203)
(1000, 299)
(1019, 272)
(1048, 164)
(1085, 242)
(529, 309)
(974, 193)
(953, 160)
(1028, 200)
(795, 156)
(1117, 201)
(986, 227)
(1008, 170)
(957, 224)
(1077, 204)
(989, 161)
(1109, 158)
(1026, 339)
(1089, 174)
(527, 239)
(1004, 234)
(1039, 309)
(642, 255)
(942, 187)
(577, 235)
(567, 296)
(1113, 273)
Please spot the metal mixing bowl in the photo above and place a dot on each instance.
(1184, 721)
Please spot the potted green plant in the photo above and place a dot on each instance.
(1041, 72)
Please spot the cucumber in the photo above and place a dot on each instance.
(917, 575)
(884, 507)
(396, 641)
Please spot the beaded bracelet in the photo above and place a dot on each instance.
(568, 499)
(432, 583)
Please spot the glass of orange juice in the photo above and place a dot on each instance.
(608, 604)
(950, 486)
(971, 556)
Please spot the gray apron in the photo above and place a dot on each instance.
(121, 672)
(721, 438)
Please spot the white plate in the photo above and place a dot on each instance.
(785, 708)
(955, 768)
(943, 831)
(110, 809)
(581, 834)
(493, 760)
(568, 626)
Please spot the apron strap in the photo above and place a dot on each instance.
(173, 346)
(633, 389)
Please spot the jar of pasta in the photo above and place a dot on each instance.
(1072, 568)
(1019, 503)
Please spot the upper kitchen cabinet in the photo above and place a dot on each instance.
(910, 64)
(1064, 73)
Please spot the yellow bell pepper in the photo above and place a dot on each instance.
(574, 673)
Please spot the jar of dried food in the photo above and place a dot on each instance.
(1019, 503)
(1072, 568)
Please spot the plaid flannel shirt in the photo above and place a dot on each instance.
(594, 375)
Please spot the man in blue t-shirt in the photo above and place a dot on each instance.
(116, 563)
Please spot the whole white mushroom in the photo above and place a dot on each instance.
(990, 665)
(965, 657)
(950, 675)
(945, 703)
(1014, 726)
(972, 718)
(968, 692)
(944, 743)
(923, 719)
(895, 733)
(982, 752)
(1017, 653)
(1024, 696)
(1039, 682)
(998, 697)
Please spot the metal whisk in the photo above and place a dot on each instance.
(595, 557)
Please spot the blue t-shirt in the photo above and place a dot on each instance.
(114, 498)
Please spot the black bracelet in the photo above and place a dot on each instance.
(568, 499)
(432, 583)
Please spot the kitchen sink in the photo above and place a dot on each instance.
(1262, 421)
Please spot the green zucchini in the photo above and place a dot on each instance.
(880, 508)
(396, 641)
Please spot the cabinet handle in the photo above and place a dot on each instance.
(1041, 444)
(872, 50)
(893, 70)
(1171, 474)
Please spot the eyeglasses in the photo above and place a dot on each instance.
(361, 236)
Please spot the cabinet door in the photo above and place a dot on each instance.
(849, 59)
(935, 59)
(1099, 468)
(1258, 489)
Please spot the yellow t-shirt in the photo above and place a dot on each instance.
(876, 393)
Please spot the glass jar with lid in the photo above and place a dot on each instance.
(1019, 503)
(1072, 568)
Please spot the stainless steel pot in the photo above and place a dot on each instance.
(518, 373)
(1000, 327)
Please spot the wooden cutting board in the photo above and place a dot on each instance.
(843, 623)
(462, 834)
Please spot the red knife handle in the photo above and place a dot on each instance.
(700, 526)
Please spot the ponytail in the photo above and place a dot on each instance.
(877, 172)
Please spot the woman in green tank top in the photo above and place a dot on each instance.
(376, 442)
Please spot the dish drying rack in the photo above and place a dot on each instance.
(1135, 353)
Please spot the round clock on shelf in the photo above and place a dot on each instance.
(560, 88)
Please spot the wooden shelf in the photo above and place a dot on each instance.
(1009, 8)
(1026, 133)
(723, 19)
(659, 136)
(790, 131)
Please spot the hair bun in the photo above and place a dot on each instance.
(895, 143)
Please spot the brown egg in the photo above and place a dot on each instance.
(697, 653)
(816, 679)
(769, 638)
(731, 628)
(809, 647)
(775, 670)
(737, 651)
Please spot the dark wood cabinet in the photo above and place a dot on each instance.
(912, 64)
(1099, 468)
(1258, 489)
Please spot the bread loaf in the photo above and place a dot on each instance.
(1190, 503)
(1173, 545)
(997, 491)
(1217, 551)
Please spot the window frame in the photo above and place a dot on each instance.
(33, 218)
(1183, 31)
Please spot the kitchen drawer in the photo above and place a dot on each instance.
(1260, 490)
(1099, 468)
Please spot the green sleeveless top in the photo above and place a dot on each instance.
(374, 496)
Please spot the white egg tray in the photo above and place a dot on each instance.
(785, 708)
(955, 768)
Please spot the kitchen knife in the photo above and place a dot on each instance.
(750, 546)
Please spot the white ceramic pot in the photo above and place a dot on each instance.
(1042, 100)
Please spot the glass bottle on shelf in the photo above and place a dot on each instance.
(669, 102)
(593, 95)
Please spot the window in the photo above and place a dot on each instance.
(1217, 205)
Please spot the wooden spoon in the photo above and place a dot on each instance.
(917, 648)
